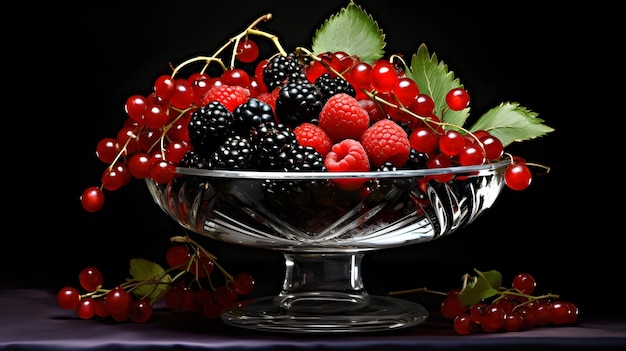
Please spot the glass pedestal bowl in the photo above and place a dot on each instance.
(324, 231)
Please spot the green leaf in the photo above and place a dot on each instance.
(144, 270)
(353, 31)
(434, 79)
(511, 122)
(484, 286)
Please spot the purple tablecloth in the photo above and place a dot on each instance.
(30, 319)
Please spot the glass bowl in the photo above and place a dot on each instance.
(323, 227)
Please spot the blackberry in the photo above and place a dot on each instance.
(387, 167)
(299, 102)
(234, 153)
(251, 114)
(305, 158)
(209, 126)
(281, 70)
(417, 160)
(331, 86)
(193, 159)
(273, 144)
(302, 158)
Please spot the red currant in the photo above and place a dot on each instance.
(517, 176)
(68, 298)
(383, 76)
(244, 283)
(524, 283)
(457, 99)
(451, 143)
(464, 325)
(86, 309)
(493, 147)
(118, 300)
(247, 51)
(471, 155)
(90, 278)
(451, 306)
(134, 107)
(424, 105)
(423, 139)
(140, 310)
(92, 199)
(164, 87)
(406, 91)
(107, 150)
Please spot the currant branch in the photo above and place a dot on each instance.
(190, 263)
(481, 303)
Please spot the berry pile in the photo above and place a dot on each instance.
(307, 111)
(186, 285)
(483, 305)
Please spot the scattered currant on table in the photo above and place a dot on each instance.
(192, 121)
(188, 284)
(482, 304)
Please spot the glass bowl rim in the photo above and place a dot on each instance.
(401, 173)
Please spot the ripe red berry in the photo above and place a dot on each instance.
(68, 298)
(493, 147)
(383, 76)
(342, 117)
(517, 176)
(457, 99)
(86, 309)
(309, 134)
(243, 283)
(90, 278)
(451, 306)
(92, 199)
(247, 51)
(118, 300)
(451, 143)
(140, 310)
(472, 155)
(386, 141)
(524, 283)
(464, 325)
(348, 156)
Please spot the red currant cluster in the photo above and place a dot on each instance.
(190, 289)
(482, 307)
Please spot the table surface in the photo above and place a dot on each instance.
(31, 320)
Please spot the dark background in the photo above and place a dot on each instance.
(557, 229)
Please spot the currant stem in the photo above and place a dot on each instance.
(196, 59)
(187, 239)
(547, 168)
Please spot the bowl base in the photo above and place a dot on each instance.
(382, 313)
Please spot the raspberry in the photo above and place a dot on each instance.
(230, 96)
(348, 156)
(309, 134)
(342, 117)
(386, 141)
